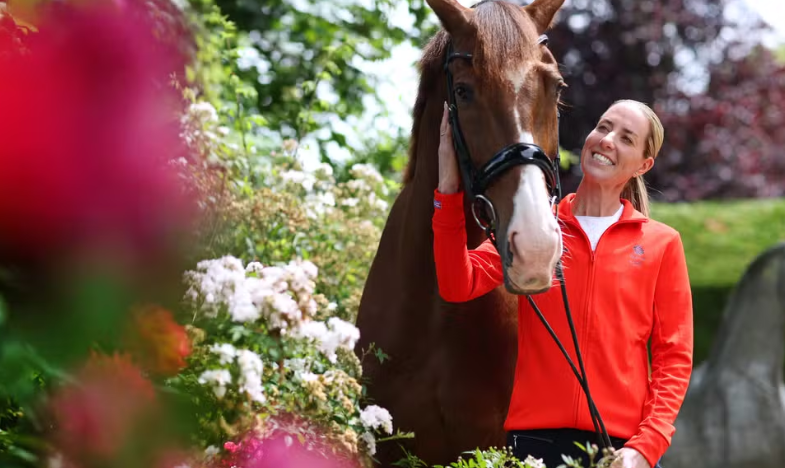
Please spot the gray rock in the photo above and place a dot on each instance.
(733, 415)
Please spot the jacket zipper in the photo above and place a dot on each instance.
(584, 324)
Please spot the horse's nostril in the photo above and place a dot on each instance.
(510, 247)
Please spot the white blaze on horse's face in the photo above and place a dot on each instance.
(533, 235)
(517, 77)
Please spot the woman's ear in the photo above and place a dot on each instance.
(648, 163)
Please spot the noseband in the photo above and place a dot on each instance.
(476, 181)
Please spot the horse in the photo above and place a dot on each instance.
(450, 373)
(733, 415)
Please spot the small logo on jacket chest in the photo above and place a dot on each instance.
(638, 255)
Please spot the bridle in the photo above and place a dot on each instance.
(476, 182)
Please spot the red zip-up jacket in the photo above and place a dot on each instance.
(632, 289)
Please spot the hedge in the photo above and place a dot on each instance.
(720, 240)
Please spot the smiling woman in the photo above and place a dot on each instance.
(611, 155)
(627, 282)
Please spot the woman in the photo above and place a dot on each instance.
(627, 285)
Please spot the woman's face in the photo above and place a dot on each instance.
(613, 151)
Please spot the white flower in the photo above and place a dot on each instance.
(282, 296)
(317, 204)
(249, 57)
(211, 451)
(254, 267)
(346, 334)
(225, 352)
(350, 202)
(375, 417)
(330, 336)
(370, 442)
(204, 111)
(359, 185)
(323, 169)
(289, 145)
(367, 172)
(218, 379)
(219, 282)
(251, 368)
(532, 462)
(299, 178)
(377, 202)
(285, 307)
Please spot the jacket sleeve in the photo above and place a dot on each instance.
(462, 274)
(671, 355)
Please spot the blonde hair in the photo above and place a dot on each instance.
(635, 191)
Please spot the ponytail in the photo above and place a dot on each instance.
(636, 193)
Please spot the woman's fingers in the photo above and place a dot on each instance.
(449, 179)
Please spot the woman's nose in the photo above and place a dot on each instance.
(607, 141)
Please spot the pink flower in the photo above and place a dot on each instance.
(94, 416)
(89, 123)
(282, 450)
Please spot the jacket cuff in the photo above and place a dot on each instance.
(650, 443)
(448, 210)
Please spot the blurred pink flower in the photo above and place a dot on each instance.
(88, 126)
(94, 416)
(279, 451)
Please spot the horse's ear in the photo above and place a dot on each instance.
(453, 16)
(543, 13)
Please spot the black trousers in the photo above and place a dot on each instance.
(551, 444)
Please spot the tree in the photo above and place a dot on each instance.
(671, 54)
(727, 142)
(301, 57)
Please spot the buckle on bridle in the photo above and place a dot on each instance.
(484, 222)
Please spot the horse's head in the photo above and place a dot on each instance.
(505, 90)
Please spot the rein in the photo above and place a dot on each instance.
(476, 181)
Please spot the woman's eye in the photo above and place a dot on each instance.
(627, 140)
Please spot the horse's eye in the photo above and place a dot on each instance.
(463, 92)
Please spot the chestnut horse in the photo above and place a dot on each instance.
(450, 375)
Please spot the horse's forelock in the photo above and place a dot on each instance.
(505, 38)
(501, 33)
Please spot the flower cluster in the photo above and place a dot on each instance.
(274, 354)
(280, 296)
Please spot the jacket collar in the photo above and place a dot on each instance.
(629, 213)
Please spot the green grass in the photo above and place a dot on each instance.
(720, 240)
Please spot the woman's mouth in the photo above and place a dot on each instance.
(602, 160)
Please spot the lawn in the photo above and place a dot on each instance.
(720, 240)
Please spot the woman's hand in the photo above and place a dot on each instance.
(449, 176)
(629, 458)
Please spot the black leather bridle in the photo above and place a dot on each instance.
(476, 181)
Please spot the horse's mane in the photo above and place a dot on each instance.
(499, 29)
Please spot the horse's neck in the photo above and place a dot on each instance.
(751, 340)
